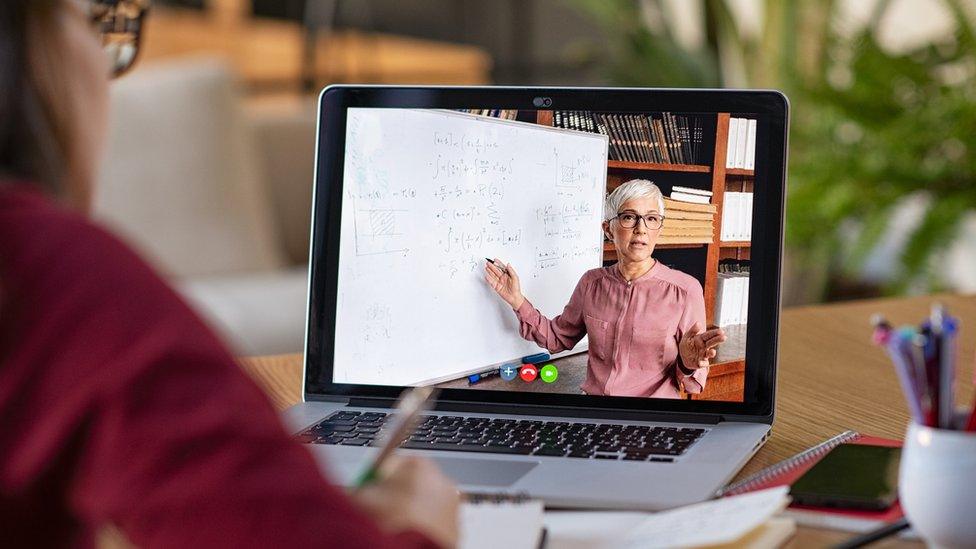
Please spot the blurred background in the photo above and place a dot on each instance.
(210, 164)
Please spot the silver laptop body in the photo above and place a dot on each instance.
(732, 432)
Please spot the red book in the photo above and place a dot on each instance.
(788, 471)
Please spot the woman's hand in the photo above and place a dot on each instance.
(413, 494)
(505, 283)
(697, 348)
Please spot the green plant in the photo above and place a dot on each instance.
(869, 127)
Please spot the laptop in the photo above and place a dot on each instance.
(577, 397)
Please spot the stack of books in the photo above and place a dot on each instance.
(660, 138)
(732, 293)
(689, 217)
(741, 152)
(736, 216)
(504, 114)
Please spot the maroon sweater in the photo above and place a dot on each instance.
(118, 405)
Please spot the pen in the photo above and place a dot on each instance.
(411, 405)
(883, 336)
(492, 261)
(536, 358)
(930, 395)
(475, 378)
(874, 535)
(942, 327)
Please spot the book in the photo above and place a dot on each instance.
(662, 139)
(689, 223)
(670, 204)
(673, 215)
(625, 146)
(699, 135)
(688, 197)
(691, 190)
(684, 239)
(750, 155)
(731, 304)
(685, 135)
(789, 470)
(645, 139)
(652, 139)
(740, 143)
(691, 232)
(731, 142)
(736, 216)
(638, 137)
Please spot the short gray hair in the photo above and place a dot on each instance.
(635, 188)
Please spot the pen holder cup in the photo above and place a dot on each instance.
(937, 485)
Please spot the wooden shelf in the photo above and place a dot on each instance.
(689, 168)
(736, 244)
(740, 171)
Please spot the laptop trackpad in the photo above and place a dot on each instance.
(484, 472)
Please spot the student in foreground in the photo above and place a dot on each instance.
(645, 321)
(119, 406)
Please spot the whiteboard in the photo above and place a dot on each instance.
(427, 196)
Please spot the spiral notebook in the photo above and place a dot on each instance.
(789, 470)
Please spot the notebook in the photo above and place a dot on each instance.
(788, 471)
(747, 520)
(512, 522)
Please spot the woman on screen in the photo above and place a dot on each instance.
(645, 321)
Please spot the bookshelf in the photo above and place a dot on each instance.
(727, 376)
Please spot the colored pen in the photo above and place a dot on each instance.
(475, 378)
(930, 396)
(536, 358)
(414, 402)
(906, 377)
(941, 324)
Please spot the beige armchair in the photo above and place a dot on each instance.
(216, 193)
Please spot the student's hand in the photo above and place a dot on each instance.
(505, 285)
(697, 348)
(413, 494)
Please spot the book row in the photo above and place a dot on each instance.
(741, 151)
(732, 293)
(662, 138)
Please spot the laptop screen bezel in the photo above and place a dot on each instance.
(771, 108)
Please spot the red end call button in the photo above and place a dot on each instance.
(528, 372)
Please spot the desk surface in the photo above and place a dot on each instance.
(830, 379)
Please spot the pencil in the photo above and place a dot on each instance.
(414, 402)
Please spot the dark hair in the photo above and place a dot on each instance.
(34, 124)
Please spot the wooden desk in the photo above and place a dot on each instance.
(830, 379)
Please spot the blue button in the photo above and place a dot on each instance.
(509, 371)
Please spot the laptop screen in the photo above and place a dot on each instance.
(596, 253)
(621, 253)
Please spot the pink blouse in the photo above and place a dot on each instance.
(633, 327)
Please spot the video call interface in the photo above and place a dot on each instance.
(546, 251)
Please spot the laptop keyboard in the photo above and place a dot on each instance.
(510, 436)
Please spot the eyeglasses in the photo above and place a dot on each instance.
(120, 24)
(629, 220)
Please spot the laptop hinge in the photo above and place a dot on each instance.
(558, 411)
